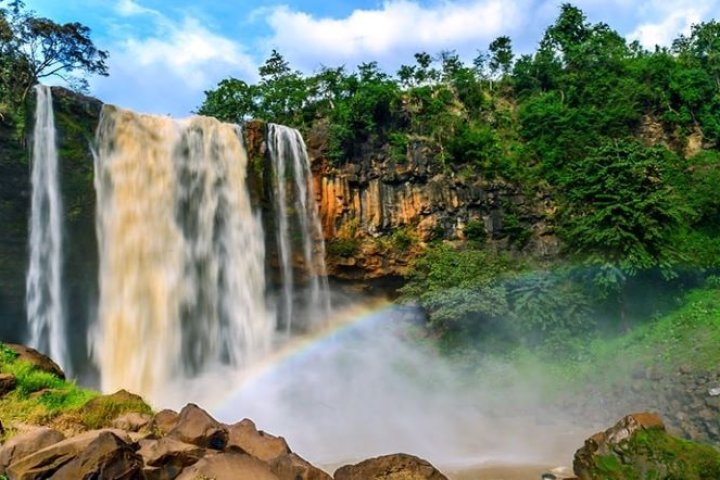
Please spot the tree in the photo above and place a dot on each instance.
(232, 101)
(42, 48)
(501, 55)
(620, 214)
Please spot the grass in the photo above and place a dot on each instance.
(41, 398)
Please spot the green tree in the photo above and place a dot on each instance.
(34, 48)
(501, 55)
(620, 213)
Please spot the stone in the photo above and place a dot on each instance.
(24, 444)
(293, 467)
(7, 383)
(399, 466)
(100, 412)
(229, 466)
(246, 437)
(638, 446)
(37, 359)
(108, 457)
(164, 421)
(43, 463)
(166, 458)
(196, 426)
(132, 422)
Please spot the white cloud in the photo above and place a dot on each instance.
(128, 8)
(168, 71)
(661, 21)
(397, 27)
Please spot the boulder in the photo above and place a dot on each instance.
(639, 447)
(100, 412)
(164, 421)
(399, 466)
(197, 427)
(132, 422)
(108, 457)
(24, 444)
(246, 437)
(43, 463)
(7, 383)
(37, 359)
(229, 466)
(165, 458)
(293, 467)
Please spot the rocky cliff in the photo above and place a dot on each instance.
(379, 210)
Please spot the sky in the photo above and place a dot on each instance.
(165, 53)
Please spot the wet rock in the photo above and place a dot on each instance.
(37, 359)
(229, 466)
(108, 457)
(197, 427)
(293, 467)
(45, 462)
(7, 383)
(245, 437)
(164, 421)
(166, 458)
(390, 467)
(24, 444)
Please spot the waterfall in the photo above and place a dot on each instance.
(44, 301)
(295, 198)
(182, 281)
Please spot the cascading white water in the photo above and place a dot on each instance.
(44, 301)
(181, 252)
(285, 144)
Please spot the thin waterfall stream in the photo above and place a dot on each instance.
(44, 295)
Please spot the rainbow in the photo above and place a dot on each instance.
(298, 349)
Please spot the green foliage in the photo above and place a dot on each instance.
(547, 306)
(475, 231)
(459, 288)
(620, 211)
(403, 239)
(343, 247)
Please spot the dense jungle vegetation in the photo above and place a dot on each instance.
(623, 138)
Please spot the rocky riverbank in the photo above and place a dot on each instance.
(119, 437)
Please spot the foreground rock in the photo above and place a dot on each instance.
(197, 427)
(37, 359)
(108, 457)
(229, 466)
(7, 383)
(45, 462)
(245, 437)
(166, 458)
(26, 444)
(293, 467)
(639, 447)
(390, 467)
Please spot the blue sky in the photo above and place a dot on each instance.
(165, 53)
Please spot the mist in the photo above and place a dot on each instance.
(372, 387)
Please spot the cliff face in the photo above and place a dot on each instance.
(379, 211)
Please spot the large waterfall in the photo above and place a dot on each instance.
(295, 207)
(44, 301)
(182, 287)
